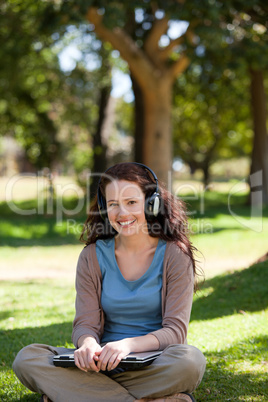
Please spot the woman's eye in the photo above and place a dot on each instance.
(132, 202)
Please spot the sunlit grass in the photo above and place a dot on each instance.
(229, 317)
(228, 323)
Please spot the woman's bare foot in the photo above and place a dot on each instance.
(45, 398)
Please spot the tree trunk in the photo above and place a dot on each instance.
(99, 144)
(259, 162)
(139, 134)
(157, 144)
(206, 174)
(155, 73)
(193, 166)
(99, 138)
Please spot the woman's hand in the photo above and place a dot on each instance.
(111, 354)
(85, 357)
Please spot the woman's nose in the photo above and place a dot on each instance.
(122, 210)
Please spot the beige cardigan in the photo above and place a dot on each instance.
(177, 295)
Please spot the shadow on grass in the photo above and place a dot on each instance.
(63, 226)
(11, 341)
(40, 231)
(228, 294)
(213, 204)
(233, 374)
(222, 382)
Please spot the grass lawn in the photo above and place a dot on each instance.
(229, 319)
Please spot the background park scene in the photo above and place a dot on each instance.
(178, 85)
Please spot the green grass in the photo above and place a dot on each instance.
(37, 228)
(32, 311)
(229, 324)
(229, 321)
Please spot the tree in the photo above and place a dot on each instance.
(153, 70)
(243, 38)
(29, 78)
(249, 42)
(260, 141)
(99, 142)
(138, 30)
(51, 112)
(208, 124)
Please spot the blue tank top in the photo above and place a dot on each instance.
(132, 308)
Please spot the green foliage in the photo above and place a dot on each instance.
(124, 117)
(211, 114)
(29, 78)
(53, 113)
(48, 111)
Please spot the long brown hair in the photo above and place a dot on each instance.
(171, 224)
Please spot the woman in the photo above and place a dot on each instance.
(134, 283)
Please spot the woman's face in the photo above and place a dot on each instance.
(125, 206)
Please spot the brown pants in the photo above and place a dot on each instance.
(179, 368)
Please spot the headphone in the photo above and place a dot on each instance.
(152, 203)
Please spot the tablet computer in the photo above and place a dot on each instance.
(131, 361)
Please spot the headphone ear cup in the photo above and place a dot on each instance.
(152, 206)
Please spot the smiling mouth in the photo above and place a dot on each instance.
(126, 223)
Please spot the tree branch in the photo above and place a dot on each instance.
(188, 35)
(179, 66)
(166, 51)
(128, 49)
(151, 47)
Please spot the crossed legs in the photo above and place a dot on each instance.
(179, 368)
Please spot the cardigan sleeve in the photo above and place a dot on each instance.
(177, 297)
(88, 318)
